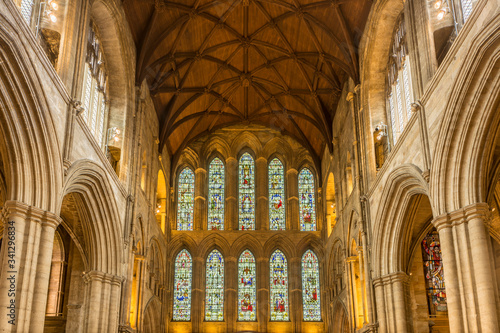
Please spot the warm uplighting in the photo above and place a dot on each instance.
(437, 5)
(441, 14)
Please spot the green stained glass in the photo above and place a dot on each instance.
(276, 195)
(246, 193)
(216, 195)
(307, 205)
(185, 200)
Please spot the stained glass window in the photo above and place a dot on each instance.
(278, 296)
(247, 193)
(185, 200)
(214, 288)
(434, 276)
(307, 205)
(182, 286)
(276, 195)
(310, 287)
(247, 298)
(216, 195)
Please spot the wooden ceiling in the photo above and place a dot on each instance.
(281, 64)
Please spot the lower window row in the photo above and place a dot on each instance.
(247, 280)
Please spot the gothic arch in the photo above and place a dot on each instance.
(214, 241)
(180, 242)
(313, 243)
(340, 320)
(246, 141)
(464, 149)
(389, 226)
(29, 146)
(152, 316)
(244, 242)
(282, 243)
(278, 147)
(87, 180)
(215, 145)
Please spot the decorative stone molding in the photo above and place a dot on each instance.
(462, 215)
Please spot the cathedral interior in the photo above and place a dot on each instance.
(250, 166)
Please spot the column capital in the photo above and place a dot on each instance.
(102, 277)
(391, 278)
(25, 211)
(462, 215)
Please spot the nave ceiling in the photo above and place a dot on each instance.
(274, 63)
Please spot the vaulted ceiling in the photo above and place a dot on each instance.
(281, 64)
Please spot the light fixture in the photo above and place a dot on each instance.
(441, 14)
(438, 4)
(54, 5)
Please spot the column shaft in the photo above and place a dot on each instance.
(261, 195)
(231, 211)
(292, 206)
(200, 197)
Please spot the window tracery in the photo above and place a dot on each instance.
(185, 200)
(247, 298)
(182, 286)
(216, 195)
(95, 87)
(310, 287)
(214, 287)
(399, 89)
(307, 204)
(276, 195)
(246, 193)
(278, 268)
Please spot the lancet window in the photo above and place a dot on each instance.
(185, 200)
(214, 287)
(279, 304)
(276, 195)
(246, 193)
(307, 203)
(247, 295)
(182, 286)
(310, 287)
(216, 195)
(434, 276)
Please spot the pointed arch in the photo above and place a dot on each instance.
(216, 198)
(183, 275)
(214, 287)
(311, 291)
(247, 287)
(185, 200)
(278, 291)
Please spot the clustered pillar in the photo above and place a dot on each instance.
(26, 257)
(468, 270)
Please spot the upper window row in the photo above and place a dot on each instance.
(246, 196)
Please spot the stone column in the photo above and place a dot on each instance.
(468, 271)
(362, 282)
(231, 299)
(25, 258)
(231, 211)
(261, 195)
(295, 287)
(399, 282)
(200, 199)
(263, 293)
(368, 283)
(102, 304)
(198, 302)
(381, 306)
(292, 207)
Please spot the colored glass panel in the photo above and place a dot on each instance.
(307, 205)
(214, 287)
(279, 287)
(247, 193)
(247, 298)
(185, 200)
(182, 286)
(310, 287)
(216, 195)
(434, 276)
(276, 195)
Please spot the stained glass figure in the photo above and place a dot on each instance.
(247, 298)
(276, 195)
(182, 286)
(247, 193)
(307, 205)
(214, 287)
(185, 200)
(216, 195)
(434, 276)
(279, 287)
(310, 287)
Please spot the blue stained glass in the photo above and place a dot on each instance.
(307, 205)
(246, 193)
(247, 298)
(310, 287)
(276, 195)
(185, 200)
(278, 296)
(434, 275)
(214, 287)
(182, 286)
(216, 195)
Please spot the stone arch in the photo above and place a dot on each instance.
(215, 144)
(152, 321)
(313, 243)
(212, 242)
(244, 242)
(277, 147)
(29, 146)
(465, 145)
(282, 243)
(246, 140)
(180, 242)
(86, 180)
(340, 320)
(402, 184)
